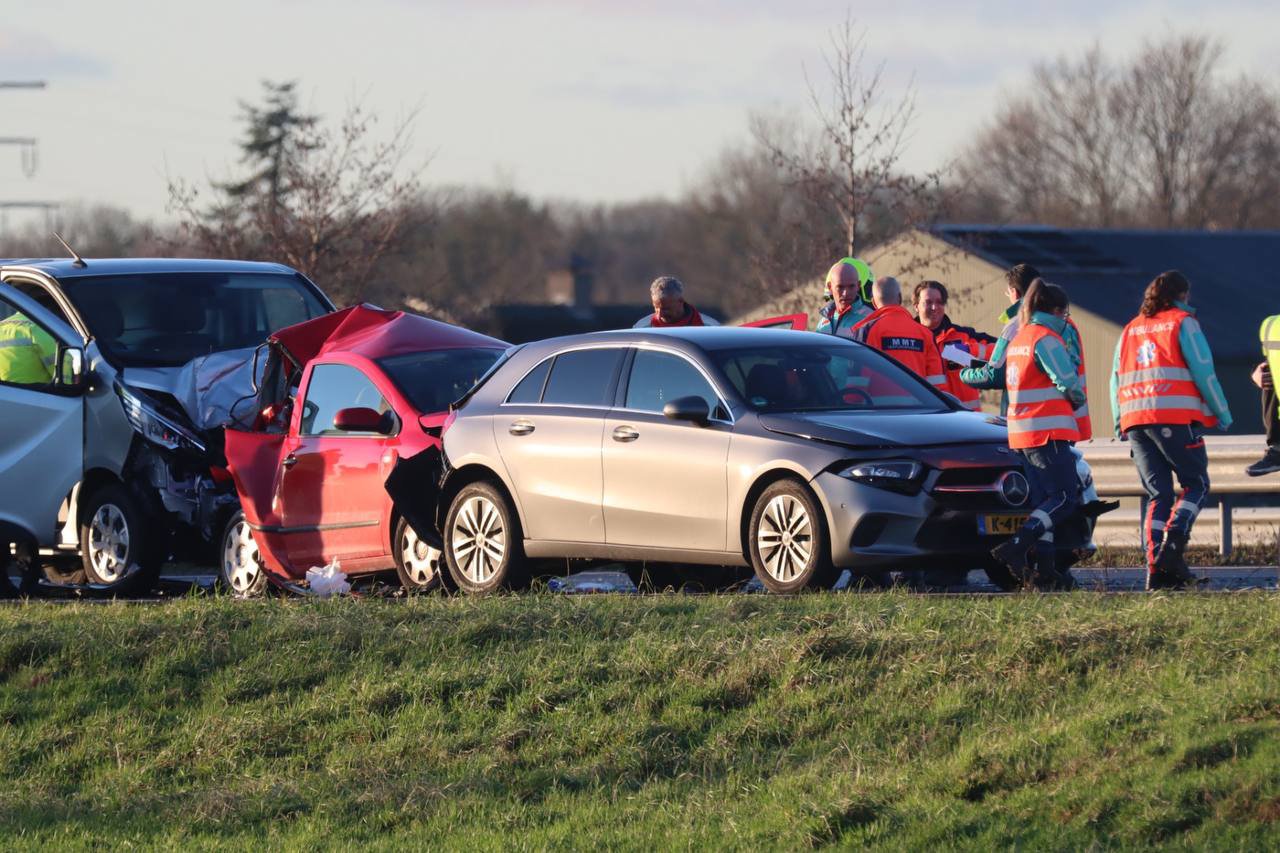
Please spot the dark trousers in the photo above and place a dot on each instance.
(1055, 489)
(1161, 452)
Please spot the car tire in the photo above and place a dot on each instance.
(240, 567)
(418, 565)
(483, 544)
(787, 540)
(114, 536)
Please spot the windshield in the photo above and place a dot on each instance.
(167, 319)
(821, 377)
(433, 380)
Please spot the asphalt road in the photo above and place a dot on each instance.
(180, 583)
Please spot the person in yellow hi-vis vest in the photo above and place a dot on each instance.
(27, 352)
(1264, 376)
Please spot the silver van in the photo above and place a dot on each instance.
(116, 456)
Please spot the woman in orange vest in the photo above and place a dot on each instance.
(1164, 393)
(1045, 389)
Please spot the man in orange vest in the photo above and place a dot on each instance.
(931, 310)
(893, 331)
(1044, 391)
(1164, 393)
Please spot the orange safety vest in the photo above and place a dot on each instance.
(1155, 384)
(1084, 424)
(894, 332)
(1038, 412)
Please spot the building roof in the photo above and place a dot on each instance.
(523, 322)
(1233, 273)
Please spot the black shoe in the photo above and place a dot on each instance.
(1268, 464)
(1064, 581)
(1013, 553)
(1171, 559)
(1158, 580)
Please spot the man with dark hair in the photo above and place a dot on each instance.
(930, 300)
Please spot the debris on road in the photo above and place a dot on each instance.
(327, 581)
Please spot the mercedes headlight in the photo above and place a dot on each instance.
(899, 475)
(148, 422)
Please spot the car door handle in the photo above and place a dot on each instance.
(625, 433)
(520, 428)
(290, 461)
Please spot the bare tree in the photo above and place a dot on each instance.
(1160, 141)
(851, 164)
(746, 215)
(332, 203)
(1191, 129)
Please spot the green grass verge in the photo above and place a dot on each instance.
(749, 722)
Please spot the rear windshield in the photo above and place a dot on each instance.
(167, 319)
(433, 380)
(803, 378)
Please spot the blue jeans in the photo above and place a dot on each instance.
(1161, 452)
(1055, 489)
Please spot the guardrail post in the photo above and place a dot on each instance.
(1224, 525)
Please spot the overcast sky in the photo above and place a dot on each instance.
(573, 99)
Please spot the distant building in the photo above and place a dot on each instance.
(569, 308)
(1233, 279)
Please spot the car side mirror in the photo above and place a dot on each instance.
(71, 372)
(362, 419)
(692, 408)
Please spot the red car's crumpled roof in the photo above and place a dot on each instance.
(373, 333)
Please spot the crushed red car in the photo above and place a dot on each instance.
(343, 398)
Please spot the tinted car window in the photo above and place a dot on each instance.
(334, 387)
(167, 319)
(657, 378)
(433, 380)
(530, 388)
(582, 378)
(813, 377)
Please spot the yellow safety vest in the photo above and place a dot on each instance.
(27, 352)
(1270, 336)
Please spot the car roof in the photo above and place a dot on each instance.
(65, 268)
(374, 333)
(696, 337)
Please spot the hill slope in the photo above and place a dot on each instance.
(645, 722)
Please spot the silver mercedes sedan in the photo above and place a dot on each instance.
(794, 453)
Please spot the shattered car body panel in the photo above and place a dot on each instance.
(154, 334)
(315, 488)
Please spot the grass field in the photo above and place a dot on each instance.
(746, 722)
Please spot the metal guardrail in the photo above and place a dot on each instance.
(1115, 475)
